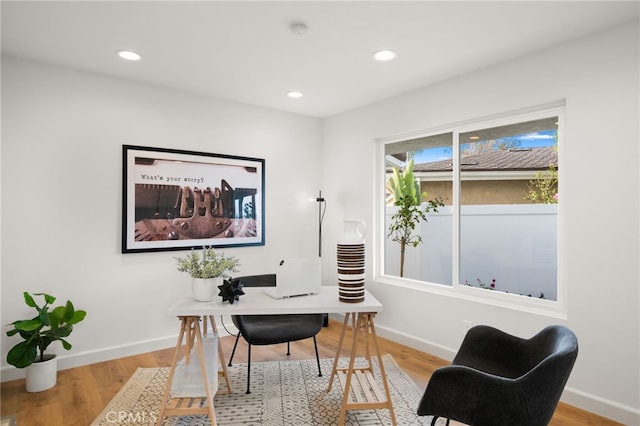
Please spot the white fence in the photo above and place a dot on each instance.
(514, 244)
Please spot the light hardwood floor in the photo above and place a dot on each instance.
(81, 393)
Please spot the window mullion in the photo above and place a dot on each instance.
(455, 234)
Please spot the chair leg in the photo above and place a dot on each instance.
(249, 369)
(234, 349)
(317, 357)
(288, 348)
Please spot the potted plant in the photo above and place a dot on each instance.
(48, 326)
(207, 271)
(411, 209)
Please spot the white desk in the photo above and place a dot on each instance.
(364, 394)
(255, 302)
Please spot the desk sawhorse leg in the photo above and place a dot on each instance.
(190, 329)
(361, 391)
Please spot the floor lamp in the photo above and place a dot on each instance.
(322, 207)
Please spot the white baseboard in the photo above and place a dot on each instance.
(603, 407)
(408, 340)
(9, 373)
(66, 361)
(419, 344)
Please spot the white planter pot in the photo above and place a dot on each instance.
(42, 375)
(205, 289)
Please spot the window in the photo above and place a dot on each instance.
(490, 193)
(431, 259)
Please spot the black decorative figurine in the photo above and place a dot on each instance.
(231, 290)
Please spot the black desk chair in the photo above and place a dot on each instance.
(272, 329)
(498, 379)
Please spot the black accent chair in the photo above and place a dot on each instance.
(273, 329)
(499, 379)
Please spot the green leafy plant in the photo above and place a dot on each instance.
(544, 188)
(411, 210)
(48, 326)
(209, 264)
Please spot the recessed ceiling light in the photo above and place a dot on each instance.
(299, 28)
(129, 55)
(384, 55)
(294, 94)
(474, 138)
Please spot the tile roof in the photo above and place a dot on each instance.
(506, 159)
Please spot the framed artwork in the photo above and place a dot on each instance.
(178, 200)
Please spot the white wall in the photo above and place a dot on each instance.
(62, 136)
(598, 77)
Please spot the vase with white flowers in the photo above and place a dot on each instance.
(207, 270)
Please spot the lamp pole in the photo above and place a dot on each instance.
(320, 200)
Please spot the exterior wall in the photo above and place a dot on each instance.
(481, 191)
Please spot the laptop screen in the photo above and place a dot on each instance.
(297, 276)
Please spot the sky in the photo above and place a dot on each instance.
(529, 140)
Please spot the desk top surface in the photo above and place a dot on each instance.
(255, 302)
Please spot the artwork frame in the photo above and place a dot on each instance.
(175, 199)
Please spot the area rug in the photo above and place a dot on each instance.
(282, 393)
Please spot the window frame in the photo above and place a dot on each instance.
(551, 308)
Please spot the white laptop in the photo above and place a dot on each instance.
(296, 276)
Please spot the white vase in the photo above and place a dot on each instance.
(353, 232)
(204, 289)
(42, 375)
(351, 261)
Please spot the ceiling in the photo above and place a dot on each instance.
(246, 52)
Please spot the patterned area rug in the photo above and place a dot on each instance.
(282, 393)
